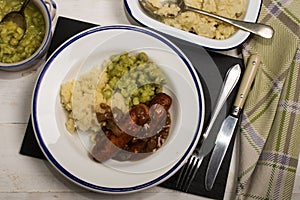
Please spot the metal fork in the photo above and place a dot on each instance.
(190, 169)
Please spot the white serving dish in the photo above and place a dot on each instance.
(136, 13)
(67, 153)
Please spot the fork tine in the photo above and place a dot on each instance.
(189, 171)
(186, 171)
(193, 173)
(183, 172)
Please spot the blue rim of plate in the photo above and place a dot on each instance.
(80, 181)
(129, 12)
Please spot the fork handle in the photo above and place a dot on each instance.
(230, 81)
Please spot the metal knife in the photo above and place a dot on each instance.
(229, 124)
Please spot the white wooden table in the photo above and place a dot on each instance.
(23, 177)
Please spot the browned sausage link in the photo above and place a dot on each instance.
(158, 116)
(105, 115)
(133, 121)
(137, 146)
(140, 114)
(113, 127)
(162, 99)
(159, 107)
(109, 144)
(159, 119)
(133, 151)
(103, 149)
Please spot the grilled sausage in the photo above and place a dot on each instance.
(118, 133)
(162, 99)
(116, 136)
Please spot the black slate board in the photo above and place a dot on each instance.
(211, 77)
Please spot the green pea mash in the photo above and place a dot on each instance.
(14, 47)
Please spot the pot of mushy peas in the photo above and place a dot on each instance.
(22, 49)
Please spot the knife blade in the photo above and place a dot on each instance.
(229, 125)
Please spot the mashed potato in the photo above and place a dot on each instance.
(200, 24)
(79, 98)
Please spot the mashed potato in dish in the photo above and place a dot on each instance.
(202, 25)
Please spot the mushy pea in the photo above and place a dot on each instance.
(134, 76)
(14, 47)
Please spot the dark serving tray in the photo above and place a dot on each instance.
(211, 75)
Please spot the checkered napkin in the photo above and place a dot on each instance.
(270, 126)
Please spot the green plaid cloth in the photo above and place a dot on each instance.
(270, 126)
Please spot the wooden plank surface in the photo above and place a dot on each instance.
(24, 177)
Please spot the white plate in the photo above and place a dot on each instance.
(135, 12)
(66, 152)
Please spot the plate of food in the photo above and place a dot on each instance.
(198, 29)
(118, 109)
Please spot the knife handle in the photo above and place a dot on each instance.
(248, 77)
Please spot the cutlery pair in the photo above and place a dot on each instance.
(219, 141)
(190, 169)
